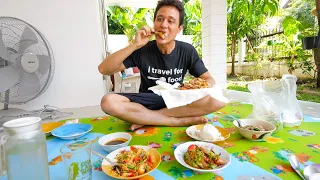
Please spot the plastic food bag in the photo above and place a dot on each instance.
(276, 102)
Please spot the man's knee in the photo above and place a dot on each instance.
(215, 105)
(108, 102)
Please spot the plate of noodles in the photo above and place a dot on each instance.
(134, 162)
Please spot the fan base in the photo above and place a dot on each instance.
(10, 114)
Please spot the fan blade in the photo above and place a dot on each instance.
(4, 54)
(28, 38)
(9, 76)
(44, 64)
(29, 84)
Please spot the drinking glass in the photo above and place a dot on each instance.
(77, 159)
(3, 168)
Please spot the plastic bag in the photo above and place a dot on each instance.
(276, 102)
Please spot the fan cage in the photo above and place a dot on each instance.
(12, 29)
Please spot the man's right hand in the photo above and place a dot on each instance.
(143, 36)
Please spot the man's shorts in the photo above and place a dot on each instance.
(150, 100)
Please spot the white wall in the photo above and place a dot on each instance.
(269, 69)
(214, 38)
(73, 30)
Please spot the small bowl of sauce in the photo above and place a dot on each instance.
(116, 141)
(113, 141)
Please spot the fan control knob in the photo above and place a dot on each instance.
(30, 62)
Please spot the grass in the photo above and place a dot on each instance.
(238, 88)
(308, 97)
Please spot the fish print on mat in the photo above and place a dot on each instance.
(281, 169)
(300, 132)
(167, 156)
(154, 145)
(314, 147)
(146, 131)
(250, 155)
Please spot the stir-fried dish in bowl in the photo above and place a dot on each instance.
(200, 158)
(133, 162)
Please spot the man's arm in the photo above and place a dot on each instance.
(206, 76)
(114, 62)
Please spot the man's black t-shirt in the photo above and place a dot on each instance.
(170, 68)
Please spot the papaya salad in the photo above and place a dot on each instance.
(132, 163)
(200, 158)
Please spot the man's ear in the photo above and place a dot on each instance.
(180, 28)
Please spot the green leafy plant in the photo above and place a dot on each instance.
(257, 60)
(244, 16)
(129, 19)
(192, 23)
(293, 46)
(300, 10)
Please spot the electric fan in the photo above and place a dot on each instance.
(26, 65)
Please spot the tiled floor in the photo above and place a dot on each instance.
(308, 108)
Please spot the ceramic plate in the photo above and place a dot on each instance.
(106, 166)
(191, 131)
(71, 131)
(182, 149)
(50, 126)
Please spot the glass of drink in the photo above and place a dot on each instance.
(3, 169)
(77, 159)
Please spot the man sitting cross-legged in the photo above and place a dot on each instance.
(164, 58)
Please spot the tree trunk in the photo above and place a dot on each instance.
(316, 53)
(318, 10)
(233, 55)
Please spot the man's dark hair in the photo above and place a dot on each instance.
(176, 3)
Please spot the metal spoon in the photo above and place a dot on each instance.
(239, 123)
(295, 164)
(113, 164)
(309, 170)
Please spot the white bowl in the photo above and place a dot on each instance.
(182, 149)
(255, 135)
(107, 138)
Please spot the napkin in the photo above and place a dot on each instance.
(175, 98)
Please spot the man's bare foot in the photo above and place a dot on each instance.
(135, 126)
(187, 121)
(184, 121)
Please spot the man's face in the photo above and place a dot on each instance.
(167, 21)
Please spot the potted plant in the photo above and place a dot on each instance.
(310, 39)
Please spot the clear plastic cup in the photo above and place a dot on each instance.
(77, 159)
